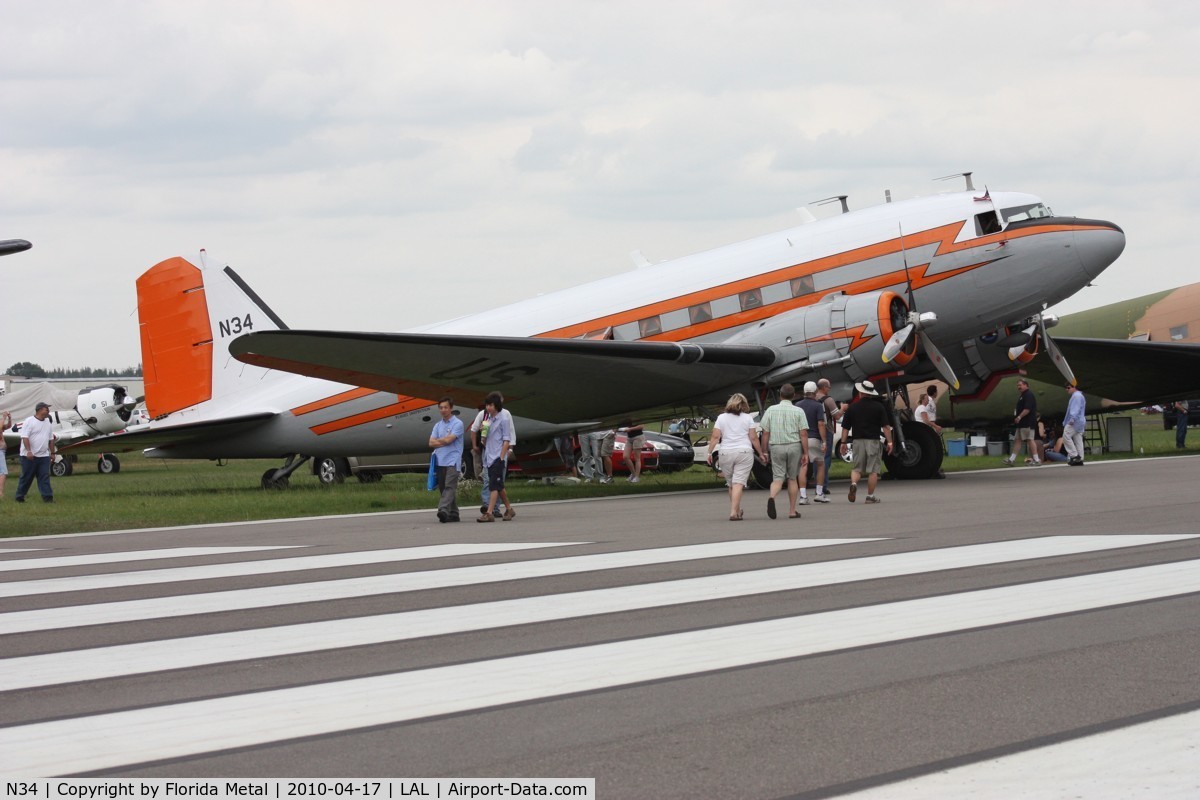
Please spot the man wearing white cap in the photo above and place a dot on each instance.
(814, 411)
(869, 420)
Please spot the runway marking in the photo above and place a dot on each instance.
(105, 662)
(264, 567)
(133, 555)
(1151, 759)
(6, 550)
(240, 599)
(109, 740)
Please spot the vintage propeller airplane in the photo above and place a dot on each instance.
(98, 410)
(941, 285)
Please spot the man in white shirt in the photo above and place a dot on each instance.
(37, 451)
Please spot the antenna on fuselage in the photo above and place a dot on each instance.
(827, 200)
(967, 175)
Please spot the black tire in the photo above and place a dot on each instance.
(370, 476)
(108, 464)
(921, 457)
(331, 471)
(62, 467)
(269, 481)
(760, 475)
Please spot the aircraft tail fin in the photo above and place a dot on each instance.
(188, 312)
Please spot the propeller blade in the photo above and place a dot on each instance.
(896, 343)
(1015, 352)
(939, 361)
(1056, 355)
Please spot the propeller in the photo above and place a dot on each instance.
(1039, 325)
(917, 323)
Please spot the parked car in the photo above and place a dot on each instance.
(650, 458)
(674, 452)
(1170, 415)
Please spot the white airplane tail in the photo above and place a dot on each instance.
(188, 313)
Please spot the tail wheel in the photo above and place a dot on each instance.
(921, 456)
(269, 481)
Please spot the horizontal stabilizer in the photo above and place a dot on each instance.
(144, 437)
(556, 380)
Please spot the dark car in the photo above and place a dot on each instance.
(1170, 415)
(674, 453)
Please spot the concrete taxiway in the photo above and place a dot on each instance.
(986, 622)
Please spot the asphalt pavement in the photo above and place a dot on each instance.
(647, 642)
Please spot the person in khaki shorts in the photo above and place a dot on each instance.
(868, 419)
(784, 428)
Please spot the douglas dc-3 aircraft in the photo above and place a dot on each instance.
(943, 285)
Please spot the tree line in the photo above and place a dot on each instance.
(28, 369)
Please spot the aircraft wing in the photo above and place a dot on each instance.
(1127, 371)
(556, 380)
(155, 435)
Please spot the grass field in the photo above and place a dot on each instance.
(152, 492)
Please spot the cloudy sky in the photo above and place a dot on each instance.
(381, 165)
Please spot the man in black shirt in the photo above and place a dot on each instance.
(1025, 418)
(869, 420)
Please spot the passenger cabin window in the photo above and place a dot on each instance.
(700, 313)
(599, 333)
(650, 326)
(802, 285)
(751, 299)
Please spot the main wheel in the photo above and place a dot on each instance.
(331, 471)
(921, 456)
(269, 481)
(760, 475)
(370, 476)
(62, 467)
(108, 464)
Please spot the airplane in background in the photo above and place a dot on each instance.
(896, 293)
(10, 246)
(98, 410)
(1130, 354)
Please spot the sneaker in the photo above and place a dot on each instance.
(486, 517)
(1008, 462)
(771, 508)
(443, 516)
(606, 479)
(821, 499)
(483, 509)
(853, 492)
(803, 501)
(635, 480)
(509, 513)
(871, 499)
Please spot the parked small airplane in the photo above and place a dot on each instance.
(98, 410)
(1130, 353)
(896, 293)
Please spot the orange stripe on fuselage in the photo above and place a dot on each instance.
(943, 236)
(405, 404)
(337, 399)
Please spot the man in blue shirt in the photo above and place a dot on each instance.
(447, 443)
(495, 457)
(1073, 424)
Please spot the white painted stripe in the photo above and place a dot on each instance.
(106, 662)
(133, 555)
(5, 550)
(1151, 759)
(84, 583)
(213, 602)
(110, 740)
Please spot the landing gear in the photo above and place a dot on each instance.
(278, 478)
(760, 475)
(108, 464)
(919, 457)
(62, 466)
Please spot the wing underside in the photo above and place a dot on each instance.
(153, 435)
(555, 380)
(1127, 371)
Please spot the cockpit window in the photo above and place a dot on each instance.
(1031, 211)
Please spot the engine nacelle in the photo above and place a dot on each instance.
(841, 331)
(104, 409)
